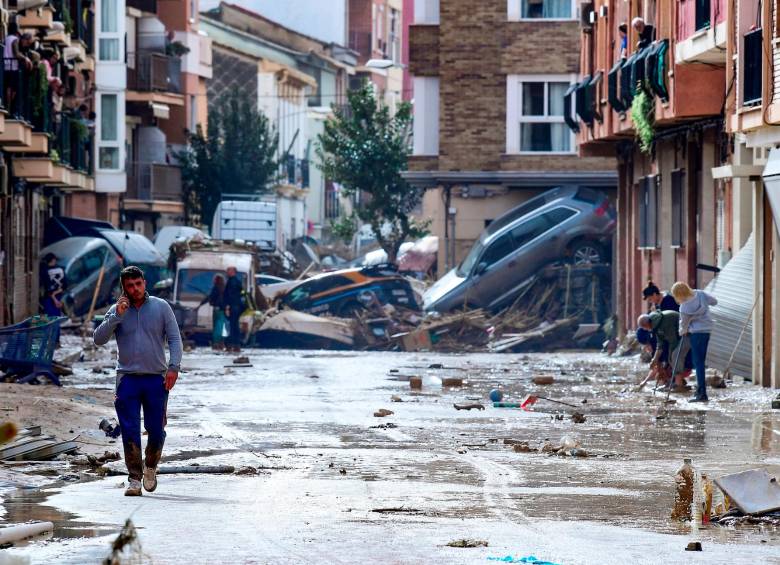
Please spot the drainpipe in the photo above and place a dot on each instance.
(447, 248)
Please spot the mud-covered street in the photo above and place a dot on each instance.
(337, 484)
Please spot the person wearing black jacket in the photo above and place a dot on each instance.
(234, 306)
(216, 299)
(645, 31)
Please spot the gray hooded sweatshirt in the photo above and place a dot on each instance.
(695, 313)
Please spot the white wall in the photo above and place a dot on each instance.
(111, 78)
(322, 19)
(426, 116)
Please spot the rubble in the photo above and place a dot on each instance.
(383, 412)
(472, 406)
(467, 543)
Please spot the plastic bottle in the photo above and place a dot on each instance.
(697, 504)
(684, 491)
(707, 488)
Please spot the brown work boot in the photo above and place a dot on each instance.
(133, 488)
(150, 479)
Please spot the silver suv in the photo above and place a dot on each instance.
(572, 223)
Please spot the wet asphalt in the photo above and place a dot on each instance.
(336, 484)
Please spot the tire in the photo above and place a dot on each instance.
(585, 252)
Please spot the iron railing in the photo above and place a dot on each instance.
(154, 181)
(154, 72)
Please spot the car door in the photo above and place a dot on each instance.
(92, 263)
(490, 272)
(539, 242)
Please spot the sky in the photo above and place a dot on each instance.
(321, 19)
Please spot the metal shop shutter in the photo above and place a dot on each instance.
(733, 288)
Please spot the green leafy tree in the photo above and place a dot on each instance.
(236, 155)
(364, 148)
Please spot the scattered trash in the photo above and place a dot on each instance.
(245, 471)
(387, 426)
(342, 472)
(693, 546)
(532, 399)
(753, 492)
(69, 477)
(242, 360)
(397, 510)
(8, 431)
(197, 469)
(11, 534)
(472, 406)
(383, 412)
(467, 543)
(415, 383)
(531, 560)
(496, 395)
(396, 398)
(451, 382)
(435, 366)
(103, 459)
(523, 447)
(578, 418)
(32, 446)
(110, 427)
(776, 403)
(126, 548)
(544, 380)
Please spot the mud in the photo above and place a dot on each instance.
(449, 471)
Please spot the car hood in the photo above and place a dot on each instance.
(441, 288)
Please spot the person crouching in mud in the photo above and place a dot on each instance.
(142, 324)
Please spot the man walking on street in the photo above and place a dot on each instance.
(142, 324)
(234, 306)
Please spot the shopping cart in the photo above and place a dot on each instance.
(27, 349)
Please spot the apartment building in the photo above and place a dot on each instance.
(489, 113)
(375, 30)
(47, 134)
(168, 64)
(295, 80)
(752, 116)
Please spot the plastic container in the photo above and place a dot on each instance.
(684, 491)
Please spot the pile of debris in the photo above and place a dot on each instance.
(561, 308)
(30, 445)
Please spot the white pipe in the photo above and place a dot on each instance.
(23, 531)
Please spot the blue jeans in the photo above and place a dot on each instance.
(699, 344)
(133, 393)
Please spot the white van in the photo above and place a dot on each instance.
(246, 220)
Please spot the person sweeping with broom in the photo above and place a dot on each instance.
(696, 323)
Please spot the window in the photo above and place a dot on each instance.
(678, 208)
(425, 140)
(109, 31)
(395, 36)
(647, 190)
(558, 216)
(108, 151)
(542, 124)
(541, 10)
(499, 249)
(751, 63)
(702, 14)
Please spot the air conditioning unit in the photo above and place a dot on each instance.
(604, 11)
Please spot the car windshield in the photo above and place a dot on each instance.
(195, 284)
(468, 263)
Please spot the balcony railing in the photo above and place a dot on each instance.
(360, 41)
(332, 202)
(73, 140)
(296, 171)
(752, 67)
(154, 181)
(153, 72)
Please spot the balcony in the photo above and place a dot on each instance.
(153, 72)
(296, 172)
(74, 141)
(701, 32)
(151, 182)
(360, 41)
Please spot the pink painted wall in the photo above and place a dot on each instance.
(408, 20)
(686, 16)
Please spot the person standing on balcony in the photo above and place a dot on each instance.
(645, 31)
(50, 60)
(142, 325)
(623, 31)
(696, 322)
(15, 58)
(234, 306)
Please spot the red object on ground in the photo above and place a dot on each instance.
(528, 401)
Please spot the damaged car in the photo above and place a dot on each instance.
(574, 224)
(345, 292)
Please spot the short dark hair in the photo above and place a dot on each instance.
(49, 257)
(623, 27)
(650, 290)
(131, 272)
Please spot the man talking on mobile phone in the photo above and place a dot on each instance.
(142, 324)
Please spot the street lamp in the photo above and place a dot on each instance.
(380, 63)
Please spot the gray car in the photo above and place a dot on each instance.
(82, 257)
(565, 223)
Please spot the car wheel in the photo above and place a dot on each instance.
(587, 253)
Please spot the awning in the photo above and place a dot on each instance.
(733, 288)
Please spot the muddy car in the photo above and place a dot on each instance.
(343, 293)
(573, 224)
